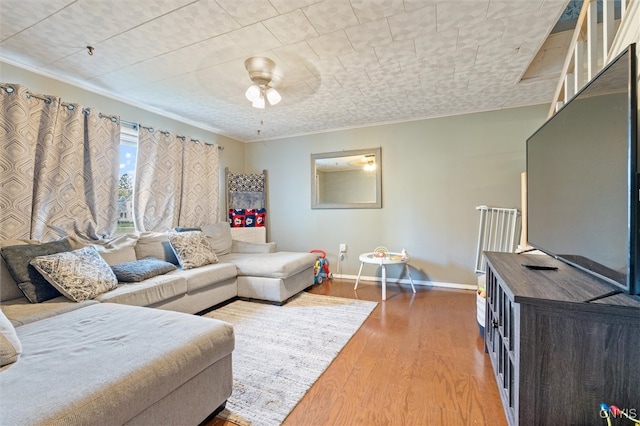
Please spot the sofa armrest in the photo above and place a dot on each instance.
(247, 247)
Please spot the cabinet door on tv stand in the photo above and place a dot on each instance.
(501, 343)
(573, 360)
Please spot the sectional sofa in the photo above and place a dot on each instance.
(107, 358)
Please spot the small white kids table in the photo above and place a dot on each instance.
(383, 261)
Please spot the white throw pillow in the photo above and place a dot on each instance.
(219, 236)
(79, 274)
(10, 346)
(192, 249)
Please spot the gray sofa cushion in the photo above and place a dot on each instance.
(140, 270)
(202, 277)
(251, 247)
(21, 311)
(148, 292)
(219, 236)
(34, 286)
(274, 289)
(118, 250)
(155, 244)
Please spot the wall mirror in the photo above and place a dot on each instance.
(346, 179)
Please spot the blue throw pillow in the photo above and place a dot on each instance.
(140, 270)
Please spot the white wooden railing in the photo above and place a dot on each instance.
(590, 49)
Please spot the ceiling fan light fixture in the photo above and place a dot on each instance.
(273, 96)
(261, 72)
(253, 93)
(258, 102)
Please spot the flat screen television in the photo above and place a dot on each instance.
(582, 179)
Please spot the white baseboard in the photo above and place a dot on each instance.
(406, 281)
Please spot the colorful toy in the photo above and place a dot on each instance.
(321, 268)
(380, 252)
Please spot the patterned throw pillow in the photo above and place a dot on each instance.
(192, 249)
(79, 275)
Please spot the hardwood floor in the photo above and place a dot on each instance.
(417, 360)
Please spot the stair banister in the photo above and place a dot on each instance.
(590, 48)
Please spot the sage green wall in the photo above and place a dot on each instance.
(434, 173)
(232, 156)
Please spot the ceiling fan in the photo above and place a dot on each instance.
(262, 74)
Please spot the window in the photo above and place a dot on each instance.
(128, 153)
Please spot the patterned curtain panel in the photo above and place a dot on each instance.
(158, 185)
(59, 168)
(76, 182)
(102, 171)
(26, 122)
(200, 184)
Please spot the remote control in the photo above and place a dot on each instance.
(540, 267)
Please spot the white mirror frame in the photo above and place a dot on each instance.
(341, 159)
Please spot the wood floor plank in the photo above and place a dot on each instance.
(417, 360)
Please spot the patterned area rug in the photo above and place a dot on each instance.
(282, 350)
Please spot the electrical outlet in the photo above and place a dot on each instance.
(343, 248)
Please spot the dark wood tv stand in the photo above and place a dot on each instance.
(555, 357)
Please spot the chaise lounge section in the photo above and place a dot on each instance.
(106, 363)
(271, 276)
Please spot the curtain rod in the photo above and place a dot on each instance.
(135, 126)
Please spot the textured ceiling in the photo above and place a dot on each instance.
(345, 63)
